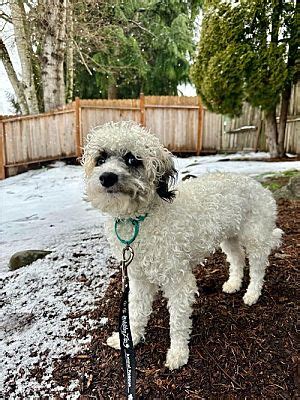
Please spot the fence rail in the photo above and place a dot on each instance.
(181, 123)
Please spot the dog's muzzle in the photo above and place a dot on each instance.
(108, 179)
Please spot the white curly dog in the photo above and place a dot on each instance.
(128, 175)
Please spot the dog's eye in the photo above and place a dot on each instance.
(101, 159)
(132, 161)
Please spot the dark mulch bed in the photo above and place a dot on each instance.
(236, 352)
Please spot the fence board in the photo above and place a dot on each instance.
(174, 120)
(292, 142)
(2, 151)
(98, 112)
(33, 139)
(212, 128)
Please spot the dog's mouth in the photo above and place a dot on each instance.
(111, 191)
(115, 191)
(119, 192)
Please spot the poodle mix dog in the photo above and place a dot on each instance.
(129, 174)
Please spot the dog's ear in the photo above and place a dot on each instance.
(164, 183)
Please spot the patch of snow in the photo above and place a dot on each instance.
(226, 163)
(289, 155)
(44, 305)
(103, 321)
(243, 128)
(40, 208)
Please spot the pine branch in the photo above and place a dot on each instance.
(141, 27)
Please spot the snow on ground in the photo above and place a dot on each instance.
(42, 303)
(41, 208)
(244, 164)
(43, 306)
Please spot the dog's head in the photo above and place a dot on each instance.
(127, 169)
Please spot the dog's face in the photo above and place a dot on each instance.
(126, 169)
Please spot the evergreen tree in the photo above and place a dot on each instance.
(146, 47)
(247, 52)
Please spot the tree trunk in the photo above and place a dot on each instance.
(16, 84)
(53, 54)
(271, 132)
(112, 91)
(285, 102)
(286, 94)
(23, 43)
(61, 49)
(70, 52)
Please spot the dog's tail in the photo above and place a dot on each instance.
(276, 237)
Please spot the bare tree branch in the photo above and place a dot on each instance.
(82, 59)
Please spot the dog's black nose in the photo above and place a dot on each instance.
(108, 179)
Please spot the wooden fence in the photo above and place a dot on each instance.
(181, 123)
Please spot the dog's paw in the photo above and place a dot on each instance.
(177, 357)
(251, 297)
(114, 341)
(232, 286)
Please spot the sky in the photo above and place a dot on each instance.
(5, 86)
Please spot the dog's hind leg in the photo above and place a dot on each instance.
(236, 258)
(258, 261)
(180, 293)
(259, 238)
(141, 296)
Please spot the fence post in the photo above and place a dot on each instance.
(2, 151)
(142, 107)
(200, 127)
(78, 127)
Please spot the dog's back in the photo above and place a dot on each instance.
(229, 198)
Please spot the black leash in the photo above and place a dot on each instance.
(126, 344)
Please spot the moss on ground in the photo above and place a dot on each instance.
(276, 180)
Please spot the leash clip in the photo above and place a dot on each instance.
(127, 258)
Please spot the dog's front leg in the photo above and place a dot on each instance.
(141, 296)
(180, 294)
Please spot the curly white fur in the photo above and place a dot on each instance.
(227, 210)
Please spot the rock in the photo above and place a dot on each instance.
(26, 257)
(294, 185)
(291, 190)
